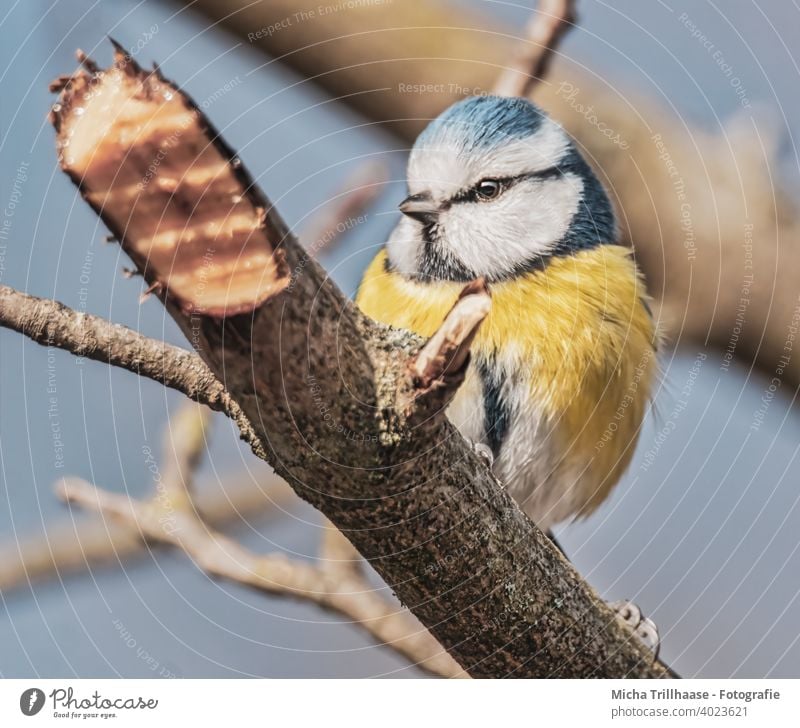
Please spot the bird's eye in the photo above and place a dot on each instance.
(488, 189)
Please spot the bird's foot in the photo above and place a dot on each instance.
(484, 451)
(643, 627)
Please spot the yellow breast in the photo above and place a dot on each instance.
(579, 329)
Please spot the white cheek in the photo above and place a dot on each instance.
(493, 238)
(404, 246)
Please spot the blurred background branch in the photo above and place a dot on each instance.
(73, 545)
(345, 210)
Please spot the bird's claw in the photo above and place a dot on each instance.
(643, 627)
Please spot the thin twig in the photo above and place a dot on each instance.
(53, 324)
(551, 20)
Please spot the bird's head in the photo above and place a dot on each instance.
(495, 188)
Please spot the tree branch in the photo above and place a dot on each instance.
(218, 555)
(53, 324)
(551, 20)
(183, 444)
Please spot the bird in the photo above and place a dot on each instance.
(564, 367)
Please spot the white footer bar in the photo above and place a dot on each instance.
(400, 703)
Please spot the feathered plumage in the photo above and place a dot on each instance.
(563, 366)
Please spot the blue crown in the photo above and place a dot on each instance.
(481, 122)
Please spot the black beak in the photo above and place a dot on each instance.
(420, 207)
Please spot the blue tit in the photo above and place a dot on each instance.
(564, 366)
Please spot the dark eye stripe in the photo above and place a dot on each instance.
(549, 173)
(472, 194)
